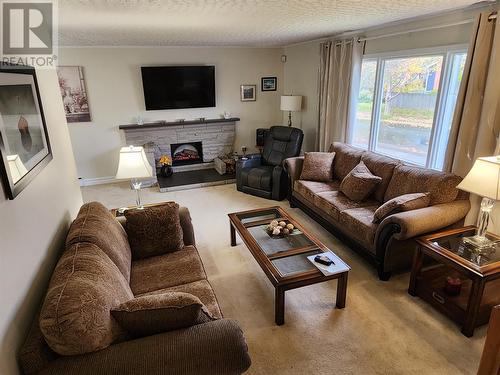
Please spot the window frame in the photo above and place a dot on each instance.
(447, 53)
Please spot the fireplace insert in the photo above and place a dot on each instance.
(186, 153)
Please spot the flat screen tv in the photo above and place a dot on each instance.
(175, 87)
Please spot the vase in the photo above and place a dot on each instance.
(166, 171)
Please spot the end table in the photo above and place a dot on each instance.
(443, 255)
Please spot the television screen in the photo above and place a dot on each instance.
(175, 87)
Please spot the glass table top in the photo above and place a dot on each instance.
(455, 243)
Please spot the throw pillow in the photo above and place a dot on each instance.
(406, 202)
(149, 315)
(154, 230)
(318, 166)
(359, 183)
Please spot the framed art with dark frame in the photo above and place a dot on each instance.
(24, 140)
(269, 83)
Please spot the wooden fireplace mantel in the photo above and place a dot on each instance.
(163, 124)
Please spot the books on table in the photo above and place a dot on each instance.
(338, 265)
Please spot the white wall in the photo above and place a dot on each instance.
(301, 78)
(33, 229)
(114, 87)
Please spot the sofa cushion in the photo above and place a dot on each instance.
(358, 224)
(201, 289)
(154, 230)
(96, 225)
(334, 202)
(360, 183)
(164, 271)
(383, 167)
(260, 177)
(346, 158)
(408, 179)
(75, 316)
(318, 166)
(308, 189)
(149, 315)
(406, 202)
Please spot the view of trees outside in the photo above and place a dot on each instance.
(409, 93)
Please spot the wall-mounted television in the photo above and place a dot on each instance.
(176, 87)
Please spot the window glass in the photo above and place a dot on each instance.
(360, 131)
(409, 95)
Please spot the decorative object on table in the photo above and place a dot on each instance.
(247, 93)
(280, 229)
(269, 83)
(74, 93)
(452, 286)
(24, 141)
(140, 120)
(180, 120)
(291, 103)
(134, 164)
(166, 166)
(201, 119)
(244, 151)
(484, 180)
(226, 115)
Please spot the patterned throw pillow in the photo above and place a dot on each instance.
(360, 183)
(318, 166)
(406, 202)
(149, 315)
(154, 230)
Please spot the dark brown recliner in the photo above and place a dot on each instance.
(263, 175)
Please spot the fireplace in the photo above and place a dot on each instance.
(186, 153)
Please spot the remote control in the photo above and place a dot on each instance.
(322, 259)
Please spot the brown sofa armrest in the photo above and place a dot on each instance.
(414, 223)
(217, 347)
(293, 166)
(186, 224)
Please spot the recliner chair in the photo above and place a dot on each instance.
(263, 175)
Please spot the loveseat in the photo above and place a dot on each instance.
(97, 272)
(390, 244)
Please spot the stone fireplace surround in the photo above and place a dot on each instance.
(216, 135)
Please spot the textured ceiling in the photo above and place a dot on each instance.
(228, 22)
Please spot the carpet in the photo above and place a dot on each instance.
(382, 330)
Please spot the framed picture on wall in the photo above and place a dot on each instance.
(24, 141)
(269, 83)
(74, 93)
(247, 93)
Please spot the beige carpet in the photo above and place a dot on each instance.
(382, 330)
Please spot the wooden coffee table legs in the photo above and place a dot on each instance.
(233, 234)
(279, 297)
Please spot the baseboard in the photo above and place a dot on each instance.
(97, 181)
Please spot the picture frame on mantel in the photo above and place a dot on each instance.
(74, 93)
(24, 141)
(248, 93)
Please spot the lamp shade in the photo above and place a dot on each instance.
(16, 167)
(133, 163)
(291, 103)
(484, 178)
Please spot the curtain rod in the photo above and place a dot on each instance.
(417, 30)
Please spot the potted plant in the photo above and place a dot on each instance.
(166, 166)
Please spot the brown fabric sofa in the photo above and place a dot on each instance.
(97, 241)
(390, 244)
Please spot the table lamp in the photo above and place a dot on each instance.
(134, 164)
(484, 180)
(291, 103)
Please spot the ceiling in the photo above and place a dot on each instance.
(228, 22)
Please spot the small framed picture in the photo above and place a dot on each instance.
(247, 93)
(269, 83)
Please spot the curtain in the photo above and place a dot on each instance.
(340, 66)
(476, 126)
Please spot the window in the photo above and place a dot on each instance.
(406, 102)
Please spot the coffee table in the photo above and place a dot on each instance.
(283, 260)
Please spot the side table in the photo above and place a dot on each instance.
(444, 254)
